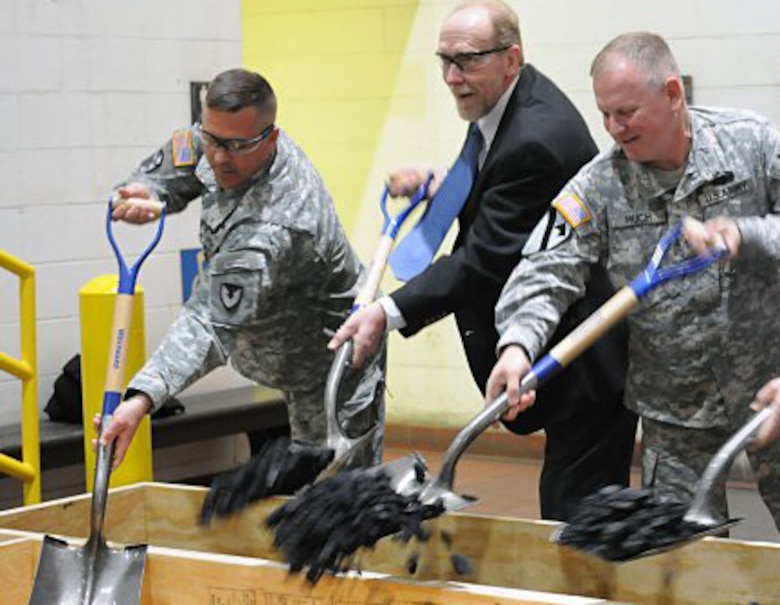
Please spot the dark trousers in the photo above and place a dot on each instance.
(583, 455)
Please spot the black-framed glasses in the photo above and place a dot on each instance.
(468, 62)
(235, 145)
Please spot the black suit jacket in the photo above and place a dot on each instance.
(541, 142)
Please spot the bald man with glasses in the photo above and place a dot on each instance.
(280, 275)
(525, 140)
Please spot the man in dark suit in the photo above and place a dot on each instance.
(534, 140)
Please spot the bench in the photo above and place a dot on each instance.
(257, 411)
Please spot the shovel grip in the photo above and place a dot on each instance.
(154, 207)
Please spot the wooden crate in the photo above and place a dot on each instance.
(177, 577)
(511, 553)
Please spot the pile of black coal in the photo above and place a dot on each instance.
(618, 523)
(325, 524)
(282, 466)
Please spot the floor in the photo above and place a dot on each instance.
(508, 487)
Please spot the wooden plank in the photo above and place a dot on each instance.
(69, 517)
(174, 577)
(505, 552)
(18, 562)
(188, 577)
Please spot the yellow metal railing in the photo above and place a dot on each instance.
(29, 469)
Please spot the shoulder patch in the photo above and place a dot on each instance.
(549, 233)
(153, 162)
(572, 209)
(183, 149)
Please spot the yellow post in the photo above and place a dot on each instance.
(97, 300)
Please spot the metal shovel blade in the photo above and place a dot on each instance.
(654, 526)
(92, 574)
(440, 488)
(407, 474)
(345, 448)
(701, 511)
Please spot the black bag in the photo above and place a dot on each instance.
(65, 403)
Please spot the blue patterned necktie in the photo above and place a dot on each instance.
(415, 252)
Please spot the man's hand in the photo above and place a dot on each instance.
(702, 238)
(134, 203)
(123, 425)
(510, 368)
(365, 327)
(403, 182)
(768, 395)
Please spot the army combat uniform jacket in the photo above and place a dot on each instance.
(701, 346)
(280, 275)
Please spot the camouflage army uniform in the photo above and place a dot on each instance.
(700, 347)
(280, 275)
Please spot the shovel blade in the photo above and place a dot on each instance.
(79, 575)
(346, 450)
(409, 476)
(436, 491)
(649, 549)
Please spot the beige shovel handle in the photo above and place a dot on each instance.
(595, 326)
(370, 287)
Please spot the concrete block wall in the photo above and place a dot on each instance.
(88, 88)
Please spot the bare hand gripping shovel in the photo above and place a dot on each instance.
(603, 319)
(94, 574)
(346, 448)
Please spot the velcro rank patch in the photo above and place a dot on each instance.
(573, 210)
(183, 149)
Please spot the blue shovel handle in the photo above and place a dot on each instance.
(123, 313)
(590, 330)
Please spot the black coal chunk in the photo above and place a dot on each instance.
(461, 564)
(324, 525)
(618, 524)
(412, 562)
(282, 466)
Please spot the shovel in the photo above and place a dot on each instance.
(701, 511)
(603, 319)
(283, 466)
(346, 448)
(624, 530)
(95, 574)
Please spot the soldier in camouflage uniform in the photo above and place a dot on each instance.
(699, 347)
(280, 272)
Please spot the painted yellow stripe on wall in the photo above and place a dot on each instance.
(334, 66)
(360, 91)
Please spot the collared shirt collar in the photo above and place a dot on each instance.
(488, 124)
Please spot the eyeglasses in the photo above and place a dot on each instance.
(235, 145)
(468, 62)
